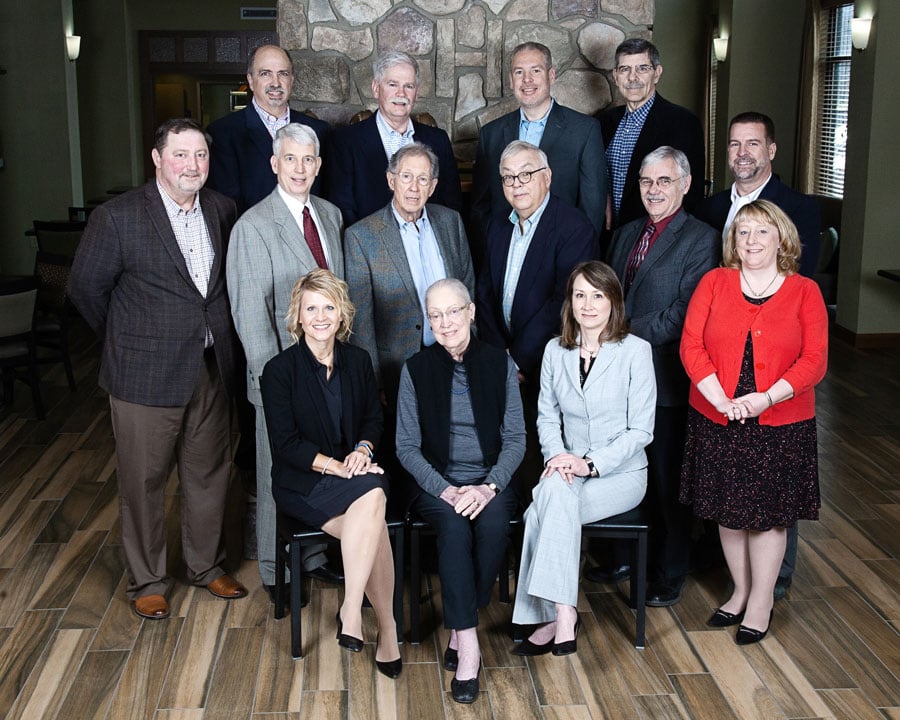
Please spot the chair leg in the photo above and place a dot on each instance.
(282, 557)
(296, 600)
(35, 383)
(640, 597)
(398, 534)
(415, 586)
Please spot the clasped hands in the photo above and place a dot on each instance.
(468, 500)
(743, 407)
(357, 462)
(569, 466)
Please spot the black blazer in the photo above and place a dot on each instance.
(564, 237)
(240, 156)
(666, 124)
(356, 180)
(297, 418)
(802, 209)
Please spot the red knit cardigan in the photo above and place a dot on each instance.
(789, 336)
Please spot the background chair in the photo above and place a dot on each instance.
(18, 358)
(291, 536)
(51, 323)
(59, 238)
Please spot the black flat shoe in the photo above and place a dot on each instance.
(465, 691)
(747, 635)
(569, 646)
(391, 668)
(451, 658)
(720, 618)
(325, 574)
(526, 648)
(353, 644)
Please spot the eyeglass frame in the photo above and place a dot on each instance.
(435, 316)
(663, 182)
(417, 178)
(523, 177)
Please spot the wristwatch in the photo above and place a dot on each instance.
(592, 471)
(493, 486)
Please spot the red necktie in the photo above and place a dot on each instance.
(312, 239)
(638, 254)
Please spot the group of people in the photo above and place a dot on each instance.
(378, 366)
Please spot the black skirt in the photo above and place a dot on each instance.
(330, 497)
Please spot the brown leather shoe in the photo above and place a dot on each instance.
(227, 587)
(153, 607)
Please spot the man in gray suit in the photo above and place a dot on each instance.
(660, 259)
(149, 280)
(393, 256)
(285, 235)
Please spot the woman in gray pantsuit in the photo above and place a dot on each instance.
(595, 417)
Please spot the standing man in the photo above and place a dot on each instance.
(645, 122)
(242, 140)
(571, 141)
(659, 259)
(284, 236)
(149, 278)
(751, 150)
(392, 257)
(360, 153)
(522, 285)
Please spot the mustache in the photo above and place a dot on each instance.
(400, 101)
(635, 85)
(274, 89)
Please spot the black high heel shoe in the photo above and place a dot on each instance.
(747, 635)
(526, 648)
(451, 658)
(389, 668)
(720, 618)
(568, 647)
(353, 644)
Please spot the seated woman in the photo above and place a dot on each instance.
(595, 417)
(461, 435)
(324, 418)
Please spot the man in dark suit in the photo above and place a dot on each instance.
(522, 284)
(242, 140)
(660, 258)
(645, 122)
(149, 278)
(360, 153)
(751, 150)
(572, 142)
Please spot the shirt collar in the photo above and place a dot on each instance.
(750, 196)
(641, 113)
(270, 121)
(173, 208)
(401, 221)
(386, 129)
(535, 216)
(540, 121)
(294, 205)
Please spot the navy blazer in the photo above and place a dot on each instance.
(802, 209)
(240, 156)
(357, 181)
(563, 238)
(656, 303)
(298, 420)
(574, 147)
(666, 124)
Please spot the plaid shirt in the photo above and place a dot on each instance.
(273, 124)
(620, 150)
(390, 138)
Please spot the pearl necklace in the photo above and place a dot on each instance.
(750, 287)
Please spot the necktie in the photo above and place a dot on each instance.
(312, 239)
(638, 254)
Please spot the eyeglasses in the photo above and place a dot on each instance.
(664, 183)
(451, 314)
(407, 178)
(639, 69)
(523, 177)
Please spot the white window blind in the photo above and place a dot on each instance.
(834, 93)
(711, 151)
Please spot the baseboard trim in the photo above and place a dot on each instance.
(866, 341)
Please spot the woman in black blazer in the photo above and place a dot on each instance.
(324, 418)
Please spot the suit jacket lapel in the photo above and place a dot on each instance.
(532, 266)
(207, 205)
(258, 133)
(601, 364)
(372, 150)
(160, 221)
(393, 246)
(288, 232)
(664, 243)
(331, 235)
(316, 396)
(554, 130)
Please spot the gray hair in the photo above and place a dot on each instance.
(517, 146)
(667, 152)
(251, 58)
(414, 149)
(638, 46)
(389, 59)
(454, 285)
(299, 133)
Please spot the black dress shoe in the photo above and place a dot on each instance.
(720, 618)
(304, 599)
(391, 668)
(665, 593)
(325, 574)
(465, 691)
(353, 644)
(451, 658)
(567, 647)
(608, 575)
(747, 635)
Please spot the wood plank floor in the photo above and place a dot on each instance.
(70, 647)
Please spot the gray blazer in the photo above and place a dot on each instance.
(610, 419)
(267, 255)
(657, 301)
(389, 317)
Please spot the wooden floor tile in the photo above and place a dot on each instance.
(510, 693)
(323, 705)
(566, 712)
(702, 698)
(279, 678)
(323, 658)
(419, 693)
(668, 642)
(120, 625)
(19, 585)
(46, 466)
(18, 539)
(850, 534)
(554, 680)
(68, 570)
(93, 597)
(187, 714)
(71, 511)
(849, 705)
(660, 707)
(784, 679)
(232, 687)
(804, 643)
(23, 648)
(92, 689)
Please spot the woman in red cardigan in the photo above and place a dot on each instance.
(755, 343)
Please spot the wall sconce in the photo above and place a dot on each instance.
(73, 46)
(720, 48)
(859, 32)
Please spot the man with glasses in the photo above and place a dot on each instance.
(522, 285)
(659, 259)
(645, 122)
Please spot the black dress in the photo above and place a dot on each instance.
(750, 476)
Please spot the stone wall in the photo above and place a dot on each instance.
(462, 47)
